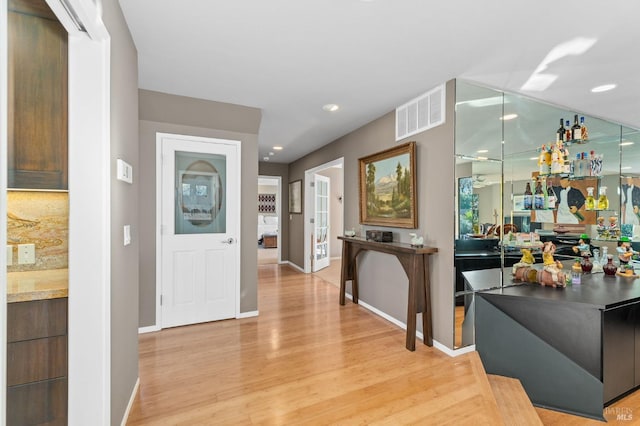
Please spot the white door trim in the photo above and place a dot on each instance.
(278, 211)
(89, 328)
(308, 207)
(237, 246)
(3, 205)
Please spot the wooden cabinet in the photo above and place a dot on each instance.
(37, 362)
(37, 107)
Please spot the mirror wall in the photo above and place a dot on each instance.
(499, 139)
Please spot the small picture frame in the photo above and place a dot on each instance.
(295, 197)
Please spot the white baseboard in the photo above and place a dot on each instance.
(247, 314)
(149, 329)
(419, 335)
(130, 404)
(453, 352)
(294, 266)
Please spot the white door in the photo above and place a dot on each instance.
(200, 210)
(321, 223)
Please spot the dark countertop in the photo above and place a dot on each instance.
(478, 253)
(596, 290)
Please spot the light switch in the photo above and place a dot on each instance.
(9, 255)
(125, 171)
(26, 254)
(127, 235)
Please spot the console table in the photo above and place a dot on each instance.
(414, 261)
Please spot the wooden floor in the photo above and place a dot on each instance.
(307, 360)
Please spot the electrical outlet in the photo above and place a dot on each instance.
(9, 255)
(26, 254)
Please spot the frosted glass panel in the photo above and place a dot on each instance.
(200, 181)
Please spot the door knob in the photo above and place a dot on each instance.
(229, 240)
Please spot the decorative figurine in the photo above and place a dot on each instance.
(624, 249)
(583, 247)
(415, 240)
(526, 260)
(551, 265)
(550, 275)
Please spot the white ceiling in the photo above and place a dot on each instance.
(290, 57)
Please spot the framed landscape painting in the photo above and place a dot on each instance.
(388, 187)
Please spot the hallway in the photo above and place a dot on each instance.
(307, 360)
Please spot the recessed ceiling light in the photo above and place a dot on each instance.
(272, 153)
(533, 158)
(509, 116)
(265, 158)
(482, 151)
(277, 148)
(604, 88)
(625, 168)
(482, 158)
(626, 143)
(330, 107)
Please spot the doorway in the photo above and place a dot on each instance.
(333, 173)
(199, 254)
(269, 220)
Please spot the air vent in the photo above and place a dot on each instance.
(422, 113)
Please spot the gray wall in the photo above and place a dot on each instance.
(383, 281)
(282, 170)
(124, 210)
(164, 113)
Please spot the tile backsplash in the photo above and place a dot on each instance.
(40, 218)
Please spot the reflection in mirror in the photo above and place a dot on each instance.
(479, 191)
(630, 184)
(521, 167)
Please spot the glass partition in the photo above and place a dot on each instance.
(528, 172)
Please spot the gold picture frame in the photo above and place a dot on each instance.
(388, 187)
(295, 197)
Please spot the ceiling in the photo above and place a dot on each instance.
(291, 57)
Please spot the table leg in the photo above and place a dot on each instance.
(354, 281)
(411, 305)
(344, 271)
(427, 326)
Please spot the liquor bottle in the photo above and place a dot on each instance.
(590, 203)
(567, 135)
(556, 159)
(603, 201)
(583, 130)
(543, 166)
(576, 130)
(566, 164)
(528, 197)
(551, 196)
(538, 197)
(561, 131)
(577, 166)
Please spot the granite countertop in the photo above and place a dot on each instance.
(37, 285)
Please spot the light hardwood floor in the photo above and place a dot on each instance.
(307, 360)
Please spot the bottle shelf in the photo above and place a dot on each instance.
(568, 176)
